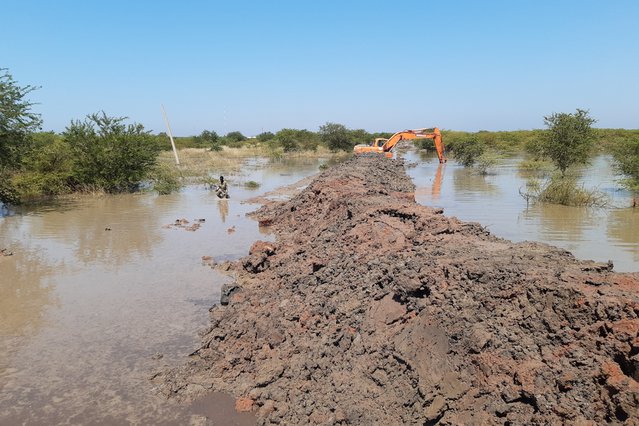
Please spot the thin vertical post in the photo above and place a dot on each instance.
(166, 119)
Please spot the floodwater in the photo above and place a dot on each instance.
(100, 292)
(599, 234)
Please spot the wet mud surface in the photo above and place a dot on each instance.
(371, 309)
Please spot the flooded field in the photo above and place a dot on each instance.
(101, 291)
(601, 234)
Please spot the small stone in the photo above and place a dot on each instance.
(244, 404)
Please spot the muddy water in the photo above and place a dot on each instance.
(100, 292)
(599, 234)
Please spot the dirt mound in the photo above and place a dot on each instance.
(371, 309)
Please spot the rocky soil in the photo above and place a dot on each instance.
(371, 309)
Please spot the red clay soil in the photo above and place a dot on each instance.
(371, 309)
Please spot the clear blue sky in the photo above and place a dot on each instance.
(259, 66)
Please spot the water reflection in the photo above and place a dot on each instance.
(469, 183)
(562, 223)
(223, 206)
(25, 295)
(495, 202)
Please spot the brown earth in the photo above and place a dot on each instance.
(371, 309)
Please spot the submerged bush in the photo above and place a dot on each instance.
(486, 161)
(563, 190)
(251, 184)
(468, 152)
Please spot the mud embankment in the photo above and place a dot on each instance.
(371, 309)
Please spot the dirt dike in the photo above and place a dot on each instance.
(371, 309)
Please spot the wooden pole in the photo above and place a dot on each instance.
(166, 119)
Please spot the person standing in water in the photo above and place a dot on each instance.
(222, 189)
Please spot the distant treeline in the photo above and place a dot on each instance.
(528, 140)
(331, 135)
(305, 140)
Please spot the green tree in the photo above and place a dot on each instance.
(211, 139)
(335, 136)
(287, 139)
(265, 136)
(235, 136)
(360, 136)
(569, 138)
(17, 123)
(110, 154)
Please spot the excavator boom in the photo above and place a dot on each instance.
(390, 143)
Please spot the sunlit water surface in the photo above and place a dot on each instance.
(600, 234)
(100, 292)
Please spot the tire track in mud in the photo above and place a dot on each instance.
(371, 309)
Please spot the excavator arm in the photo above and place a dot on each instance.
(433, 134)
(390, 143)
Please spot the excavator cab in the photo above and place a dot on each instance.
(379, 142)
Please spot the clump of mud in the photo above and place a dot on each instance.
(371, 309)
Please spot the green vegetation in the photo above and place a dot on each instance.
(17, 123)
(208, 139)
(166, 178)
(563, 189)
(251, 184)
(626, 155)
(335, 136)
(467, 152)
(473, 152)
(569, 139)
(291, 140)
(109, 154)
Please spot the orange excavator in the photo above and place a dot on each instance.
(384, 146)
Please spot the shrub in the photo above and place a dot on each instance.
(265, 136)
(165, 178)
(467, 152)
(251, 184)
(47, 169)
(109, 154)
(565, 190)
